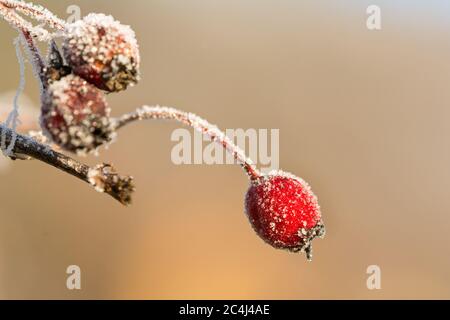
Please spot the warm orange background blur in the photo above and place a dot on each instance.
(363, 116)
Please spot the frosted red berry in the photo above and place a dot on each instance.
(103, 51)
(284, 212)
(75, 115)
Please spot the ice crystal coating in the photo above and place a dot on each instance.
(20, 23)
(284, 212)
(12, 120)
(75, 115)
(104, 178)
(28, 115)
(35, 11)
(103, 51)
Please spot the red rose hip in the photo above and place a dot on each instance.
(75, 115)
(284, 212)
(102, 51)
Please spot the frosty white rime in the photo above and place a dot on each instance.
(36, 12)
(13, 118)
(21, 24)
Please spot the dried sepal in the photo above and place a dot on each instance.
(104, 178)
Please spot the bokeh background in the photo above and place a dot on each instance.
(363, 116)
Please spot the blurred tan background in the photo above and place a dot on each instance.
(363, 116)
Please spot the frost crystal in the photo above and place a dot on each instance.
(20, 24)
(13, 118)
(36, 12)
(103, 51)
(96, 179)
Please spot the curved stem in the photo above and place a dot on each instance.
(28, 31)
(37, 62)
(13, 118)
(199, 124)
(39, 68)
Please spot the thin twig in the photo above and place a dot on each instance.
(102, 177)
(36, 12)
(38, 63)
(20, 23)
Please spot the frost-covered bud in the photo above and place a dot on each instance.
(75, 115)
(103, 51)
(284, 212)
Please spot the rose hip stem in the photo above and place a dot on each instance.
(37, 61)
(36, 12)
(16, 21)
(28, 31)
(199, 124)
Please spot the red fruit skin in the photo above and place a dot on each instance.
(284, 212)
(103, 52)
(75, 115)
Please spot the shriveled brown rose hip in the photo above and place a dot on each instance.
(75, 115)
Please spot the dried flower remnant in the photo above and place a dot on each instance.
(104, 178)
(75, 115)
(56, 67)
(103, 51)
